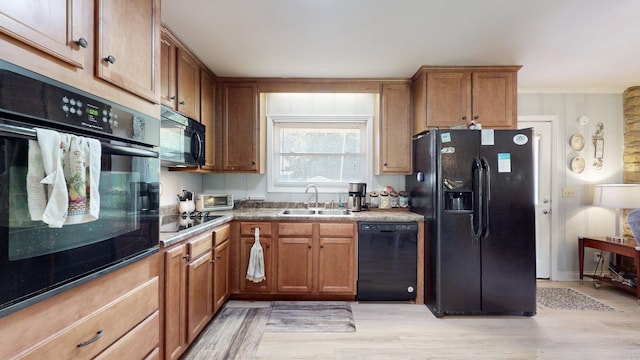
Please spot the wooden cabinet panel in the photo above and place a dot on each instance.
(91, 335)
(295, 264)
(495, 99)
(51, 26)
(138, 343)
(199, 294)
(207, 117)
(168, 56)
(448, 98)
(175, 336)
(199, 245)
(336, 266)
(337, 230)
(246, 242)
(240, 127)
(128, 49)
(188, 73)
(221, 274)
(394, 135)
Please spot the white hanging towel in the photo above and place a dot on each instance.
(68, 167)
(255, 270)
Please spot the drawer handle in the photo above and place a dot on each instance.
(92, 340)
(187, 257)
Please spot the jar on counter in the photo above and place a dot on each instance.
(393, 199)
(404, 199)
(384, 200)
(374, 199)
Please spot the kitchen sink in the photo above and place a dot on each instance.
(314, 212)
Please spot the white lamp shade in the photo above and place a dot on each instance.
(620, 196)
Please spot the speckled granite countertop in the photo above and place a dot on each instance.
(272, 214)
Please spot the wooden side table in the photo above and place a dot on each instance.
(602, 243)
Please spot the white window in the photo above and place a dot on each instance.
(329, 151)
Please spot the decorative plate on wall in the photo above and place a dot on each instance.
(577, 164)
(577, 142)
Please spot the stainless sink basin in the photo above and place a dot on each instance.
(298, 212)
(314, 212)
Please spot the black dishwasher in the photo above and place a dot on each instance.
(387, 261)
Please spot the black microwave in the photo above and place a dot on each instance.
(182, 140)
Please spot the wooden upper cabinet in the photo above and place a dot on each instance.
(52, 26)
(447, 96)
(394, 135)
(207, 117)
(188, 73)
(168, 55)
(128, 49)
(495, 99)
(241, 127)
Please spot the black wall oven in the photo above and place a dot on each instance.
(36, 260)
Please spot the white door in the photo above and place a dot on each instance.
(543, 147)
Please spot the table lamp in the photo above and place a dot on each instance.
(618, 196)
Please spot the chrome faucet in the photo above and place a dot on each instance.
(306, 190)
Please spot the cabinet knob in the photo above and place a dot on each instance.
(212, 261)
(476, 117)
(268, 246)
(464, 117)
(321, 246)
(187, 257)
(219, 257)
(253, 162)
(82, 42)
(385, 164)
(110, 59)
(173, 97)
(181, 102)
(309, 247)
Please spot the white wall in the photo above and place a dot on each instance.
(575, 216)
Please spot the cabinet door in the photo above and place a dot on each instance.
(240, 127)
(394, 135)
(221, 275)
(168, 54)
(265, 286)
(295, 265)
(188, 72)
(175, 337)
(336, 268)
(199, 294)
(448, 98)
(128, 49)
(419, 102)
(207, 117)
(494, 99)
(51, 26)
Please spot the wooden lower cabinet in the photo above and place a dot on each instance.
(247, 239)
(105, 318)
(316, 258)
(221, 263)
(188, 292)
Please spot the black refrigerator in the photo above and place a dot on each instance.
(475, 189)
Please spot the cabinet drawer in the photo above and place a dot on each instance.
(221, 234)
(137, 343)
(104, 326)
(200, 245)
(297, 229)
(339, 230)
(247, 229)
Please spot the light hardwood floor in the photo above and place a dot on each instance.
(406, 331)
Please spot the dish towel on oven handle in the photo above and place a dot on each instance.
(255, 270)
(68, 167)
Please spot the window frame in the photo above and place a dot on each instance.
(314, 120)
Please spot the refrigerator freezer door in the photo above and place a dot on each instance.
(508, 250)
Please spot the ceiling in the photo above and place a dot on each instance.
(563, 45)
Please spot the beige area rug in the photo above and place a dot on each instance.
(568, 299)
(236, 332)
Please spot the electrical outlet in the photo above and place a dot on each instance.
(568, 192)
(597, 257)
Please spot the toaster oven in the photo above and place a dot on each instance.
(213, 202)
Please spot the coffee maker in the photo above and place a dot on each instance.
(357, 196)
